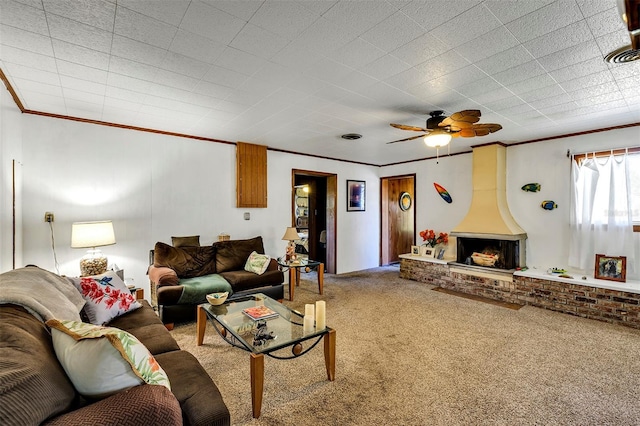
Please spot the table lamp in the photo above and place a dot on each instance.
(290, 235)
(91, 235)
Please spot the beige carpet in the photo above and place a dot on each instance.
(407, 355)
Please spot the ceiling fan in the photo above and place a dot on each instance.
(440, 129)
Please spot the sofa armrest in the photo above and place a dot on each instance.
(273, 265)
(145, 404)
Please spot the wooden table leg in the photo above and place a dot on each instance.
(321, 277)
(257, 383)
(330, 354)
(292, 278)
(201, 324)
(297, 276)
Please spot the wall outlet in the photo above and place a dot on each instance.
(247, 216)
(48, 217)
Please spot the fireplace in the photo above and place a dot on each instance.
(508, 252)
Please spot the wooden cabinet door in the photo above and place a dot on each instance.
(251, 175)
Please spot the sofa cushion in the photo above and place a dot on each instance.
(257, 263)
(140, 405)
(233, 254)
(243, 280)
(200, 399)
(190, 241)
(33, 384)
(188, 262)
(106, 295)
(163, 275)
(101, 361)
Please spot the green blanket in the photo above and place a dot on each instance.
(195, 290)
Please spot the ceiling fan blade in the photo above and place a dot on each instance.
(462, 119)
(407, 139)
(480, 130)
(405, 127)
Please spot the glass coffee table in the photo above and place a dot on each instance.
(294, 272)
(271, 337)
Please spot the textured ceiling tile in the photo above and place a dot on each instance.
(211, 23)
(80, 71)
(324, 37)
(77, 33)
(224, 77)
(259, 42)
(80, 55)
(433, 14)
(34, 86)
(463, 76)
(478, 87)
(572, 55)
(33, 74)
(491, 96)
(184, 65)
(239, 61)
(507, 11)
(142, 28)
(406, 79)
(115, 92)
(502, 61)
(441, 65)
(25, 40)
(613, 41)
(393, 32)
(112, 106)
(23, 16)
(168, 11)
(476, 21)
(173, 79)
(505, 104)
(287, 19)
(534, 83)
(625, 70)
(385, 67)
(330, 71)
(357, 16)
(213, 90)
(563, 38)
(357, 53)
(127, 83)
(519, 73)
(545, 20)
(601, 77)
(430, 88)
(96, 13)
(82, 85)
(196, 47)
(581, 69)
(487, 45)
(240, 9)
(295, 55)
(600, 99)
(420, 49)
(606, 22)
(135, 50)
(593, 7)
(132, 69)
(541, 93)
(81, 95)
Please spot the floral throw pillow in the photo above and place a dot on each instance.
(257, 263)
(101, 361)
(106, 295)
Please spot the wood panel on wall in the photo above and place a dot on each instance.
(398, 226)
(251, 175)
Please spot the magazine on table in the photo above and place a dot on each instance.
(259, 312)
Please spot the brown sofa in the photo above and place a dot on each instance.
(34, 388)
(171, 267)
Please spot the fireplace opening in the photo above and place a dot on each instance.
(489, 253)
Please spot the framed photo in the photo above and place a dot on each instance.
(427, 251)
(612, 268)
(415, 250)
(441, 254)
(355, 195)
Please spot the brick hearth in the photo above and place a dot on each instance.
(593, 299)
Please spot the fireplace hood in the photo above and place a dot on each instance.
(489, 216)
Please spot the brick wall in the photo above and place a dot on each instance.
(585, 301)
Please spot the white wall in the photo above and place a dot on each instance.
(543, 162)
(155, 186)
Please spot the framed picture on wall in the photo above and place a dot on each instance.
(612, 268)
(355, 195)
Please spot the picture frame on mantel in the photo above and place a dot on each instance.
(415, 250)
(613, 268)
(427, 251)
(356, 191)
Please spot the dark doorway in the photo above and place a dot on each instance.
(398, 217)
(314, 213)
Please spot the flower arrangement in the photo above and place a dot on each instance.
(430, 238)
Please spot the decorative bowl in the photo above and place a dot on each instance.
(217, 298)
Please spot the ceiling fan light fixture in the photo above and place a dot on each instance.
(437, 138)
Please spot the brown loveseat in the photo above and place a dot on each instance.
(224, 261)
(34, 388)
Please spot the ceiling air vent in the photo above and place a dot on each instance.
(623, 55)
(351, 136)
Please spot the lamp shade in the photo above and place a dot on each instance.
(291, 234)
(92, 234)
(437, 138)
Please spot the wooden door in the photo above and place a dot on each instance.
(398, 223)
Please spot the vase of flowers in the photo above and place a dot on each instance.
(432, 239)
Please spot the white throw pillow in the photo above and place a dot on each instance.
(257, 263)
(107, 297)
(101, 361)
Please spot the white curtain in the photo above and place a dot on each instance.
(601, 217)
